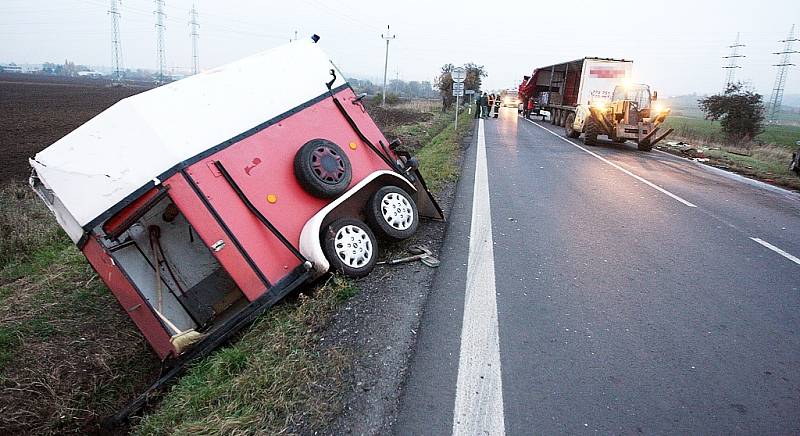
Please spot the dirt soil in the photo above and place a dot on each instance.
(389, 118)
(36, 111)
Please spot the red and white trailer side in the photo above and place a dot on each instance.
(186, 198)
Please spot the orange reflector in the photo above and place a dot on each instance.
(353, 146)
(271, 198)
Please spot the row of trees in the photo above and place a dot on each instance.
(400, 88)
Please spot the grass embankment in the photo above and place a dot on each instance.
(68, 353)
(438, 163)
(766, 158)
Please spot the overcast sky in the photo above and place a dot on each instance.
(677, 46)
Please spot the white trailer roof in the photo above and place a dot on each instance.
(127, 146)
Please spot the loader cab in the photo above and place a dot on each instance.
(630, 103)
(638, 94)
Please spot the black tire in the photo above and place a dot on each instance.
(392, 213)
(592, 130)
(322, 168)
(562, 119)
(568, 129)
(336, 249)
(644, 146)
(553, 113)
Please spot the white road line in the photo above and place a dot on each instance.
(777, 250)
(641, 179)
(479, 388)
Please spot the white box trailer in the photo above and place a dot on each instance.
(560, 88)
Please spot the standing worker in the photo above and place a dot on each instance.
(477, 105)
(497, 102)
(484, 105)
(490, 103)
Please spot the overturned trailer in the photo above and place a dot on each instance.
(203, 202)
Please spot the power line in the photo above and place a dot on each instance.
(386, 61)
(195, 26)
(160, 30)
(776, 99)
(732, 61)
(116, 42)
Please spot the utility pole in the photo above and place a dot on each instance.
(116, 43)
(776, 99)
(386, 61)
(732, 61)
(195, 34)
(160, 30)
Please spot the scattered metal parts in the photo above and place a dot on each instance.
(420, 253)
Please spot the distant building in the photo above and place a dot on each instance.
(11, 69)
(90, 74)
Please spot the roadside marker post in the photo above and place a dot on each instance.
(459, 74)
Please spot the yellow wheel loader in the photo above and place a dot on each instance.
(631, 114)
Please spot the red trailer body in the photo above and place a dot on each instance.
(206, 238)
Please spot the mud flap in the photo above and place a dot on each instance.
(427, 206)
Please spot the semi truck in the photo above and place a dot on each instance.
(595, 96)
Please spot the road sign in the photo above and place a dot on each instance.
(458, 89)
(459, 74)
(472, 91)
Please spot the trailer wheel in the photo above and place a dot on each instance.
(322, 168)
(644, 145)
(568, 127)
(562, 118)
(350, 247)
(553, 113)
(392, 213)
(591, 130)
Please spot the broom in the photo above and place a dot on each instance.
(181, 340)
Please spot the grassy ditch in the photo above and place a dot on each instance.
(767, 158)
(277, 378)
(68, 353)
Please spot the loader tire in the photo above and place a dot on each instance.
(568, 127)
(644, 146)
(591, 131)
(322, 168)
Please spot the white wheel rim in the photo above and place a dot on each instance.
(397, 211)
(353, 246)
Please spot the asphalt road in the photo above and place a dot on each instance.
(607, 290)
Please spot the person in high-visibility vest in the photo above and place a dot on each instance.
(491, 105)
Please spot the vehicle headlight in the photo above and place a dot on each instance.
(599, 105)
(656, 109)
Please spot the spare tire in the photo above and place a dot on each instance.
(322, 168)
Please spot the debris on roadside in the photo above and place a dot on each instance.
(420, 253)
(693, 152)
